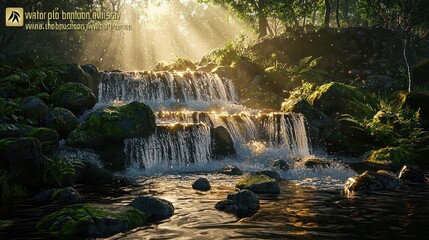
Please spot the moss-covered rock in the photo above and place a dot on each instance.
(49, 138)
(85, 74)
(33, 108)
(114, 124)
(335, 99)
(155, 208)
(61, 120)
(91, 221)
(73, 96)
(258, 183)
(389, 157)
(349, 139)
(66, 195)
(278, 79)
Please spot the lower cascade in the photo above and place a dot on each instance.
(184, 134)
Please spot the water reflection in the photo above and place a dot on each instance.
(299, 212)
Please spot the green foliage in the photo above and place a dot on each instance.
(26, 79)
(5, 224)
(10, 191)
(179, 64)
(232, 52)
(390, 155)
(55, 170)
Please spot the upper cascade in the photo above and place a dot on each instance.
(158, 87)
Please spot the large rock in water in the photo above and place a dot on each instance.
(33, 108)
(73, 96)
(201, 184)
(61, 120)
(230, 170)
(66, 195)
(114, 124)
(412, 174)
(373, 181)
(155, 208)
(222, 143)
(243, 204)
(258, 183)
(89, 221)
(22, 157)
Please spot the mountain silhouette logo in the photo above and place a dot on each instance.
(14, 17)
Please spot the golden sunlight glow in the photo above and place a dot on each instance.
(162, 32)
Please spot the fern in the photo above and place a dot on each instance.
(56, 170)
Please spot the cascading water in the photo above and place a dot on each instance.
(183, 137)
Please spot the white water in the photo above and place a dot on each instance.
(195, 102)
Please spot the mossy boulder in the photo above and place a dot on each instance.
(413, 174)
(245, 71)
(33, 108)
(349, 139)
(389, 157)
(49, 138)
(335, 99)
(114, 124)
(91, 174)
(61, 120)
(258, 183)
(73, 96)
(278, 79)
(64, 196)
(373, 181)
(90, 221)
(22, 158)
(86, 74)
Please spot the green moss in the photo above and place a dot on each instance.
(389, 155)
(48, 137)
(70, 91)
(338, 98)
(66, 222)
(251, 179)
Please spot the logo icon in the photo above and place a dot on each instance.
(14, 17)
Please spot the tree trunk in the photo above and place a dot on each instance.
(337, 13)
(346, 12)
(327, 13)
(313, 18)
(409, 66)
(263, 25)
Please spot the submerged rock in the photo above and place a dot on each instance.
(155, 208)
(243, 204)
(73, 96)
(316, 163)
(88, 221)
(230, 170)
(412, 174)
(373, 181)
(280, 164)
(271, 174)
(222, 142)
(201, 184)
(258, 183)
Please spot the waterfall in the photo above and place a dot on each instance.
(164, 86)
(183, 137)
(288, 131)
(171, 145)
